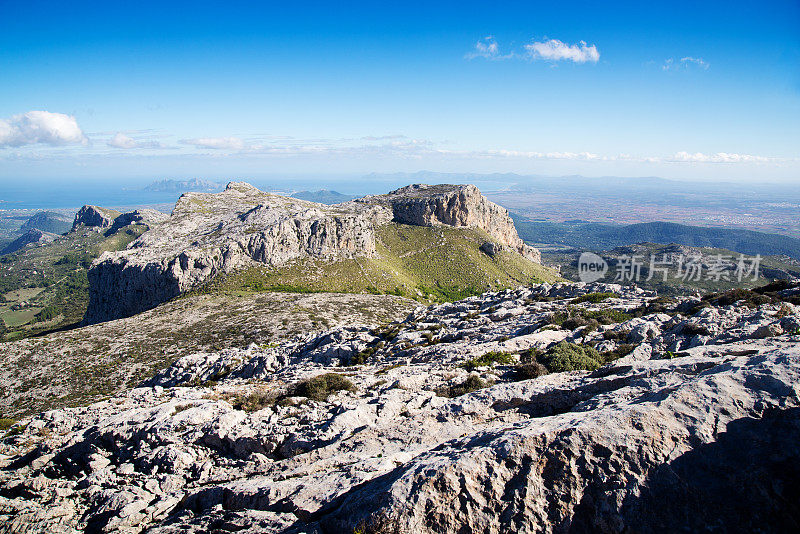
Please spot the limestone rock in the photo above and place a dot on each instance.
(666, 437)
(208, 234)
(94, 217)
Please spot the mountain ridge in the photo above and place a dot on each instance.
(212, 234)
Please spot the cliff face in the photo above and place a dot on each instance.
(455, 205)
(208, 234)
(94, 217)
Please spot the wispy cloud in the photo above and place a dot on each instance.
(40, 127)
(547, 50)
(216, 143)
(121, 140)
(555, 50)
(684, 63)
(387, 147)
(486, 48)
(719, 157)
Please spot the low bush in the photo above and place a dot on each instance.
(487, 359)
(622, 350)
(576, 317)
(566, 356)
(595, 297)
(321, 387)
(691, 329)
(750, 298)
(472, 383)
(48, 313)
(526, 371)
(252, 402)
(616, 335)
(6, 423)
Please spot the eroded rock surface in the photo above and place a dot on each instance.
(694, 422)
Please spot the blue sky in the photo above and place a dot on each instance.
(707, 90)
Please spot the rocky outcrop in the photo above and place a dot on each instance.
(432, 438)
(454, 205)
(31, 236)
(209, 234)
(142, 216)
(94, 217)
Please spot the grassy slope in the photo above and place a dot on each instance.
(53, 275)
(429, 264)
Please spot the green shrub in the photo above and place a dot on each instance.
(622, 350)
(752, 299)
(47, 313)
(501, 358)
(566, 356)
(252, 402)
(320, 387)
(6, 423)
(472, 383)
(526, 371)
(594, 297)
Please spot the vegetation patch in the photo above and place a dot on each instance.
(253, 401)
(321, 387)
(490, 358)
(427, 264)
(566, 356)
(595, 297)
(529, 370)
(472, 383)
(6, 423)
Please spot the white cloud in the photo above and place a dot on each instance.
(583, 156)
(555, 50)
(684, 63)
(719, 157)
(36, 127)
(486, 48)
(696, 60)
(120, 140)
(216, 143)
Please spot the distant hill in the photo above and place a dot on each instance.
(672, 274)
(323, 196)
(182, 186)
(596, 236)
(31, 236)
(48, 221)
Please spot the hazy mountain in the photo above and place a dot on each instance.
(597, 236)
(48, 221)
(182, 186)
(323, 196)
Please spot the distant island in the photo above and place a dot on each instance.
(182, 186)
(323, 196)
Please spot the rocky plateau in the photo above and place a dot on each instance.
(550, 408)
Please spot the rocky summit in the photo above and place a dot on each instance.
(548, 408)
(212, 234)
